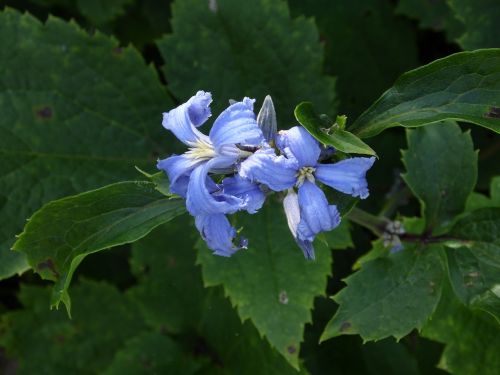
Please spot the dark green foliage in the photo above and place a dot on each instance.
(78, 112)
(435, 153)
(253, 49)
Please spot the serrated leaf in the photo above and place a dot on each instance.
(100, 12)
(389, 296)
(480, 18)
(151, 353)
(464, 87)
(63, 232)
(433, 14)
(475, 266)
(77, 114)
(476, 200)
(340, 139)
(441, 167)
(45, 341)
(171, 295)
(270, 283)
(366, 46)
(234, 50)
(472, 339)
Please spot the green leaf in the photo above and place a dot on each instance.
(389, 296)
(366, 46)
(71, 129)
(472, 339)
(340, 237)
(340, 139)
(170, 290)
(464, 86)
(432, 14)
(271, 283)
(441, 169)
(100, 12)
(45, 341)
(234, 50)
(480, 18)
(475, 266)
(63, 232)
(171, 296)
(151, 353)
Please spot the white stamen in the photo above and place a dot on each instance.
(201, 150)
(305, 173)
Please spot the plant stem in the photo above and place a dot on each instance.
(374, 223)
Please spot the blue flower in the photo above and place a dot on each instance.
(308, 212)
(234, 126)
(234, 130)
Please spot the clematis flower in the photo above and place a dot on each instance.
(307, 210)
(234, 130)
(217, 152)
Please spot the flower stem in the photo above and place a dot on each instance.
(375, 224)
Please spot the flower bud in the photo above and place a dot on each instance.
(267, 119)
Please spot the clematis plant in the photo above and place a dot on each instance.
(239, 147)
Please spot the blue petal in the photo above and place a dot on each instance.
(277, 172)
(300, 144)
(347, 176)
(236, 125)
(183, 120)
(316, 215)
(217, 233)
(201, 201)
(292, 212)
(253, 198)
(178, 169)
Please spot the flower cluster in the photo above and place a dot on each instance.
(250, 160)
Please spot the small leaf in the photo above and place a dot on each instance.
(441, 169)
(271, 283)
(63, 232)
(389, 296)
(340, 139)
(463, 87)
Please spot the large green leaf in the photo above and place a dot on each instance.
(171, 295)
(63, 232)
(45, 341)
(475, 266)
(472, 338)
(78, 112)
(366, 46)
(464, 86)
(271, 283)
(340, 139)
(253, 49)
(389, 296)
(441, 167)
(480, 18)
